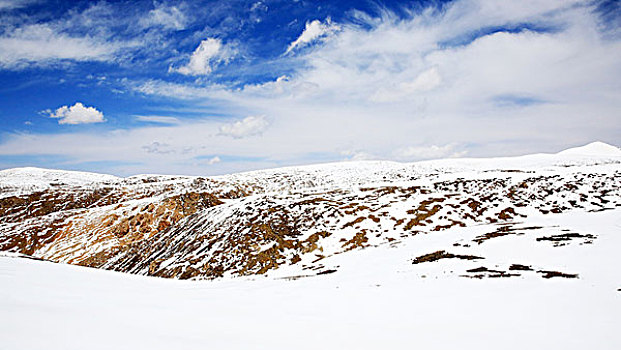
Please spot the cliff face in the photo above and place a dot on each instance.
(253, 223)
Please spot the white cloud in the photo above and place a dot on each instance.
(313, 31)
(259, 6)
(179, 91)
(42, 44)
(77, 114)
(207, 55)
(157, 119)
(14, 4)
(248, 126)
(213, 160)
(425, 81)
(357, 155)
(166, 17)
(157, 147)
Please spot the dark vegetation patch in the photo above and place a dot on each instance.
(504, 231)
(484, 272)
(481, 272)
(447, 226)
(441, 254)
(296, 277)
(518, 267)
(553, 274)
(565, 238)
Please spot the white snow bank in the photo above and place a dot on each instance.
(377, 300)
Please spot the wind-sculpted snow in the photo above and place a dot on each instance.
(302, 217)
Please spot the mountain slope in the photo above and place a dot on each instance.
(376, 299)
(300, 219)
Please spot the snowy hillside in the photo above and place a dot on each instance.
(378, 299)
(515, 253)
(299, 219)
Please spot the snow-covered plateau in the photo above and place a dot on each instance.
(499, 253)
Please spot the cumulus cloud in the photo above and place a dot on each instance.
(77, 114)
(166, 17)
(209, 53)
(313, 31)
(248, 126)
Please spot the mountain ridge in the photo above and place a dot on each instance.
(299, 218)
(593, 149)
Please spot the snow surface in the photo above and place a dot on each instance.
(594, 149)
(378, 299)
(18, 181)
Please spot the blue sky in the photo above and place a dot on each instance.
(211, 87)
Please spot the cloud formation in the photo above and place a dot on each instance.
(470, 77)
(168, 17)
(425, 81)
(43, 44)
(473, 79)
(313, 31)
(77, 114)
(157, 119)
(14, 4)
(248, 126)
(213, 160)
(429, 152)
(209, 53)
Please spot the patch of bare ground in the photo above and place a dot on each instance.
(484, 272)
(423, 212)
(441, 254)
(565, 238)
(294, 278)
(504, 231)
(358, 241)
(553, 274)
(481, 272)
(518, 267)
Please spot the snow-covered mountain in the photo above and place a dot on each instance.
(508, 253)
(295, 221)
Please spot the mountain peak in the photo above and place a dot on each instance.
(597, 148)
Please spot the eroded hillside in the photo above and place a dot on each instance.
(253, 223)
